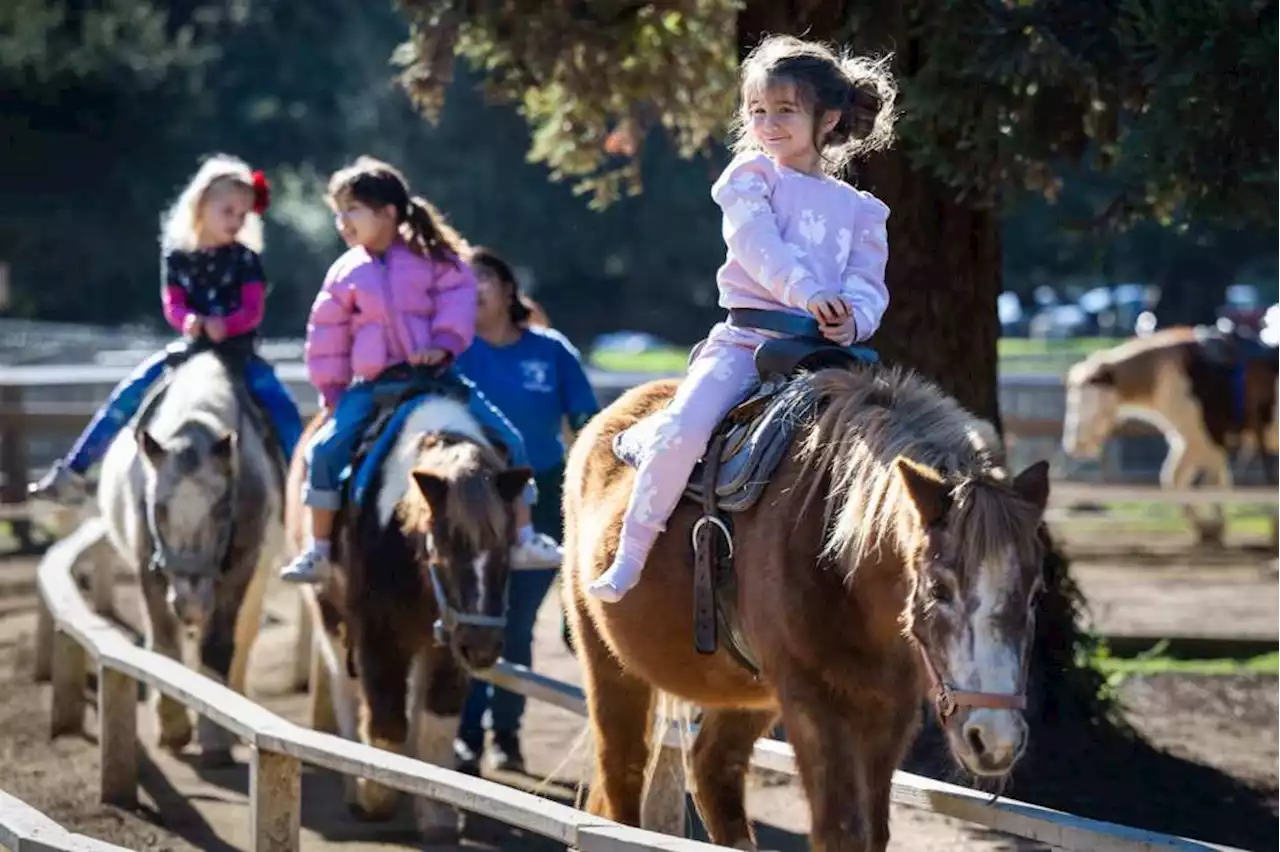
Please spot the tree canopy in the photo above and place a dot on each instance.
(1179, 99)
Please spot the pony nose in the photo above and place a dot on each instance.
(478, 647)
(995, 739)
(191, 601)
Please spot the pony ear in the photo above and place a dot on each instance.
(1104, 377)
(434, 487)
(928, 490)
(224, 448)
(511, 482)
(1032, 484)
(151, 448)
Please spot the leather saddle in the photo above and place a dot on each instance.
(744, 452)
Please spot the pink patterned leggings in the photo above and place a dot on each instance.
(720, 376)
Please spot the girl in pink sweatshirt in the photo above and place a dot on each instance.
(400, 295)
(214, 293)
(799, 240)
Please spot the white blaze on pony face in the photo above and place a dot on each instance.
(983, 652)
(1091, 411)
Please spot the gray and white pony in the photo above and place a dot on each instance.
(192, 500)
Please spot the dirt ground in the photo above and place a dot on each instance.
(1227, 722)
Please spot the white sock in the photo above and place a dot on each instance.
(321, 546)
(526, 534)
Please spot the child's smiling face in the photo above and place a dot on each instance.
(361, 225)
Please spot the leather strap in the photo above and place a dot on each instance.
(704, 552)
(782, 322)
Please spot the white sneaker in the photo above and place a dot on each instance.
(309, 566)
(538, 551)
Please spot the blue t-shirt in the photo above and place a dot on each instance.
(536, 381)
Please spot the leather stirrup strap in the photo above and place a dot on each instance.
(704, 552)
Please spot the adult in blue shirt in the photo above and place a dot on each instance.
(535, 377)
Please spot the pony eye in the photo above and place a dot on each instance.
(939, 592)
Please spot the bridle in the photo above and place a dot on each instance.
(947, 699)
(452, 617)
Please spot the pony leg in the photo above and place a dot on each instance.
(217, 651)
(248, 623)
(383, 668)
(831, 756)
(884, 756)
(621, 711)
(163, 636)
(1217, 475)
(439, 691)
(721, 755)
(1179, 472)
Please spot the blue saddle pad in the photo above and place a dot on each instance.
(357, 476)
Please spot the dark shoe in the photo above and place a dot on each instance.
(504, 753)
(465, 758)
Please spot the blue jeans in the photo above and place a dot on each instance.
(332, 446)
(127, 397)
(525, 591)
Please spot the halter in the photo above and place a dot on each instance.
(947, 698)
(451, 618)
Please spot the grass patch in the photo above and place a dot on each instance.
(1155, 661)
(1017, 354)
(1144, 517)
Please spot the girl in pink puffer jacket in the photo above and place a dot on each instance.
(400, 295)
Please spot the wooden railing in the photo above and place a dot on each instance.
(72, 638)
(25, 829)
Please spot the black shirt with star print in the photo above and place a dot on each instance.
(212, 280)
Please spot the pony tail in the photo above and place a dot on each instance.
(427, 233)
(868, 114)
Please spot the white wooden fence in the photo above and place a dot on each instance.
(70, 637)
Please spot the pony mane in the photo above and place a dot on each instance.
(473, 509)
(866, 420)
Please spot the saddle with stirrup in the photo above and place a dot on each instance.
(743, 454)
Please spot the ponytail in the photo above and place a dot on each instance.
(427, 233)
(867, 114)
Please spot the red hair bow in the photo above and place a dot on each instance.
(261, 193)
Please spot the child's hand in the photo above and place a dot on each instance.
(216, 328)
(828, 307)
(429, 357)
(192, 326)
(842, 334)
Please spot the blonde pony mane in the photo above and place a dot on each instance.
(179, 223)
(869, 418)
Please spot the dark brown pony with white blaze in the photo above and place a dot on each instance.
(889, 558)
(418, 592)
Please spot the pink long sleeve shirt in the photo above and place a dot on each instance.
(791, 235)
(373, 313)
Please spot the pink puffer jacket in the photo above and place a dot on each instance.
(372, 314)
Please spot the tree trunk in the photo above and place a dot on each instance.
(943, 277)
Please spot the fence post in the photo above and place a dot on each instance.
(67, 716)
(13, 460)
(275, 801)
(43, 641)
(117, 737)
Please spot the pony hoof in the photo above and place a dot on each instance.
(174, 737)
(374, 802)
(216, 758)
(438, 824)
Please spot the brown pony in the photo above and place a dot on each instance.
(889, 555)
(419, 586)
